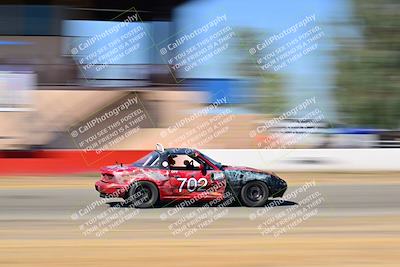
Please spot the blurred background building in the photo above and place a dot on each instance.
(46, 86)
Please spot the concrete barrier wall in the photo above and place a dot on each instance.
(75, 161)
(311, 159)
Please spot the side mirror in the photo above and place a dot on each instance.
(203, 169)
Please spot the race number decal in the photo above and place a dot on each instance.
(192, 184)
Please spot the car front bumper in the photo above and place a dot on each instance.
(279, 192)
(279, 186)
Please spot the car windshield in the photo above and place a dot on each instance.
(149, 160)
(219, 165)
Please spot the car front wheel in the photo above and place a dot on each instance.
(255, 194)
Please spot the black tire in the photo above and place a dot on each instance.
(143, 195)
(254, 194)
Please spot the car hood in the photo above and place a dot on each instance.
(247, 169)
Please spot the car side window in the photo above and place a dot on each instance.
(208, 167)
(183, 162)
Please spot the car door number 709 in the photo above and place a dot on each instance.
(192, 184)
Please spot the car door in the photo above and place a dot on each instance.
(188, 180)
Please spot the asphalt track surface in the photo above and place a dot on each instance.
(339, 224)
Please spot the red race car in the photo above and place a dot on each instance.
(179, 174)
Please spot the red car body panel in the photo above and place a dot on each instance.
(116, 180)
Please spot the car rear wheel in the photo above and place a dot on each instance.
(143, 195)
(254, 194)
